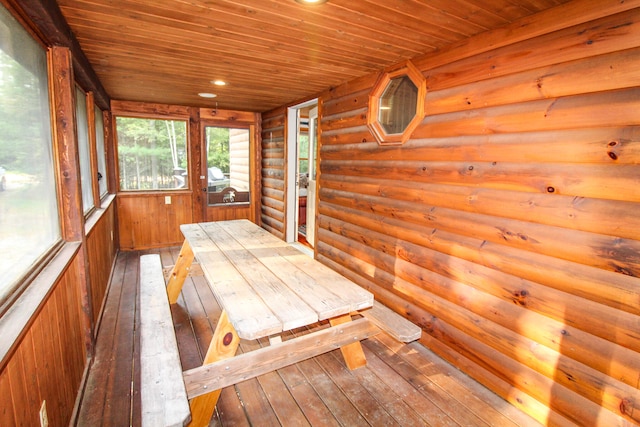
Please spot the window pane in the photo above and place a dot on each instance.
(228, 165)
(83, 150)
(102, 164)
(29, 223)
(152, 154)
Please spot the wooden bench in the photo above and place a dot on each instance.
(163, 393)
(391, 322)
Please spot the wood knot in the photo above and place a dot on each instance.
(520, 298)
(550, 189)
(613, 155)
(227, 338)
(626, 406)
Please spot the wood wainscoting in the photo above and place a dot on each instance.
(152, 220)
(44, 350)
(101, 253)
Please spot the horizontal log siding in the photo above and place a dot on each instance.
(508, 225)
(273, 172)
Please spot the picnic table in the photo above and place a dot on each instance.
(265, 287)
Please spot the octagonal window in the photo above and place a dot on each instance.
(396, 104)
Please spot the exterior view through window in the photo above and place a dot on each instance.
(152, 154)
(84, 153)
(227, 165)
(102, 162)
(29, 221)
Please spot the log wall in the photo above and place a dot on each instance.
(273, 174)
(507, 226)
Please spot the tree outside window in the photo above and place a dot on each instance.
(227, 165)
(29, 220)
(152, 154)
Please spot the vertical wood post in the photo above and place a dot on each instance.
(68, 174)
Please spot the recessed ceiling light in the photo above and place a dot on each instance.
(207, 95)
(310, 2)
(219, 82)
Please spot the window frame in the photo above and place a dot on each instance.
(373, 113)
(136, 115)
(90, 147)
(250, 171)
(35, 273)
(99, 149)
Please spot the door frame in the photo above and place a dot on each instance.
(292, 195)
(229, 119)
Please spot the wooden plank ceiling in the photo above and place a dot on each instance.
(270, 52)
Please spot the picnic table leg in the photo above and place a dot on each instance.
(352, 353)
(224, 345)
(179, 272)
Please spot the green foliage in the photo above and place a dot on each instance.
(218, 148)
(25, 133)
(151, 153)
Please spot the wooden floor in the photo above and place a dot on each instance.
(401, 385)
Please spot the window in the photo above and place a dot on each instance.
(29, 220)
(152, 153)
(396, 104)
(82, 126)
(227, 165)
(102, 163)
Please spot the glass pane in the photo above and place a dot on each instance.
(152, 154)
(29, 223)
(398, 105)
(227, 165)
(82, 125)
(102, 164)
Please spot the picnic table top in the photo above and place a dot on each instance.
(265, 285)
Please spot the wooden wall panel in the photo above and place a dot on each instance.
(101, 253)
(49, 361)
(273, 172)
(146, 220)
(507, 225)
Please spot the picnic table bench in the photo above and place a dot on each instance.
(265, 288)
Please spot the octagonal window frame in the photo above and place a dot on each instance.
(373, 114)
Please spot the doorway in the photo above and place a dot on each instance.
(226, 171)
(302, 149)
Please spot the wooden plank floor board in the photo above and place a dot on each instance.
(277, 393)
(92, 410)
(306, 397)
(479, 400)
(122, 356)
(421, 404)
(385, 396)
(442, 400)
(404, 385)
